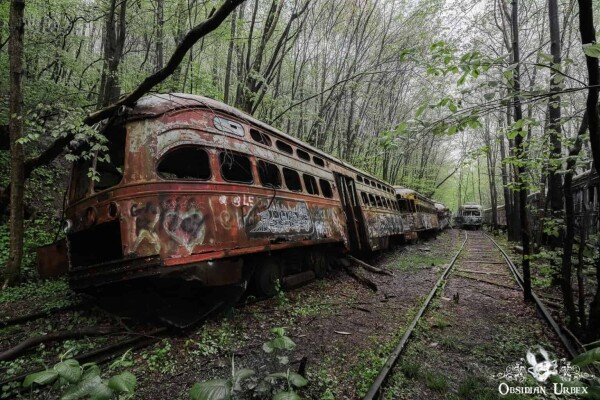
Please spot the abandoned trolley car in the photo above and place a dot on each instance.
(200, 191)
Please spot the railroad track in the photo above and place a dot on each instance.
(481, 259)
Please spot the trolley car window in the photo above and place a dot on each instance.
(318, 161)
(303, 155)
(260, 137)
(235, 167)
(310, 183)
(284, 147)
(365, 198)
(110, 171)
(228, 126)
(292, 180)
(269, 174)
(326, 189)
(185, 163)
(372, 201)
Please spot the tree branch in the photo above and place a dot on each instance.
(188, 41)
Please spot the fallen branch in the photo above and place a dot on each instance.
(488, 281)
(17, 350)
(369, 267)
(361, 279)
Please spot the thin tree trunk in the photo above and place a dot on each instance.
(15, 126)
(160, 22)
(521, 154)
(554, 115)
(229, 58)
(588, 36)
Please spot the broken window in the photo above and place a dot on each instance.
(310, 184)
(260, 137)
(318, 161)
(292, 180)
(269, 174)
(235, 167)
(185, 163)
(326, 188)
(284, 147)
(228, 126)
(110, 167)
(303, 155)
(372, 201)
(359, 178)
(365, 198)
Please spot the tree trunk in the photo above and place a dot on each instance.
(588, 36)
(160, 22)
(229, 58)
(15, 126)
(521, 154)
(554, 123)
(566, 274)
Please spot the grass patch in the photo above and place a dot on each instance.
(410, 369)
(476, 388)
(435, 382)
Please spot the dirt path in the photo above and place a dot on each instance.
(343, 329)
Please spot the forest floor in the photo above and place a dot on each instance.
(343, 333)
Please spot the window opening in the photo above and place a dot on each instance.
(284, 147)
(260, 137)
(110, 172)
(303, 155)
(235, 167)
(228, 126)
(326, 188)
(318, 161)
(310, 184)
(292, 180)
(191, 163)
(269, 174)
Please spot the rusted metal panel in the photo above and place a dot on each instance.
(52, 260)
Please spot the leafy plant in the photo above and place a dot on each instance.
(74, 381)
(158, 359)
(225, 389)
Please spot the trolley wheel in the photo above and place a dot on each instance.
(266, 275)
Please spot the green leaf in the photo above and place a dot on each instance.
(240, 376)
(99, 391)
(122, 383)
(287, 396)
(41, 378)
(279, 343)
(69, 370)
(279, 331)
(592, 49)
(83, 389)
(216, 389)
(277, 375)
(452, 130)
(489, 96)
(297, 380)
(589, 357)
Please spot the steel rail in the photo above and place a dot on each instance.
(389, 364)
(543, 310)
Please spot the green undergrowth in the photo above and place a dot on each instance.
(47, 295)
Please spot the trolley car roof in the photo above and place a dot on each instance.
(154, 105)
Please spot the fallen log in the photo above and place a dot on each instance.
(361, 279)
(17, 350)
(369, 267)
